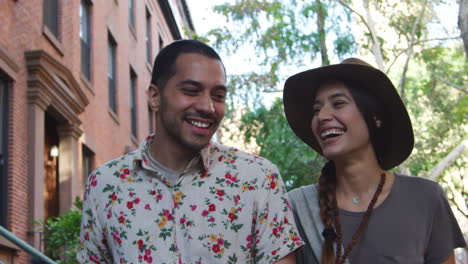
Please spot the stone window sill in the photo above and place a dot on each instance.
(53, 40)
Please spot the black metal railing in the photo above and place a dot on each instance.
(25, 246)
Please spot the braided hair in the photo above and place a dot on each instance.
(327, 202)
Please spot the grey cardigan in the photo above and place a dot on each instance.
(305, 206)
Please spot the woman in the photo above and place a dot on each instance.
(360, 212)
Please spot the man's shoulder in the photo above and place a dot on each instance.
(241, 156)
(120, 163)
(111, 173)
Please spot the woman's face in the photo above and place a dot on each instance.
(337, 123)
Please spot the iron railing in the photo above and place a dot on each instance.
(25, 246)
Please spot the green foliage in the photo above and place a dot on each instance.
(344, 45)
(297, 162)
(283, 33)
(62, 234)
(438, 110)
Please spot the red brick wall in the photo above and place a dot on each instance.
(18, 38)
(21, 30)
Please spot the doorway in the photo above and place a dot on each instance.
(51, 167)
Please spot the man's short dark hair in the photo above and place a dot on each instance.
(164, 64)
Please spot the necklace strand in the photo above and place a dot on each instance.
(362, 225)
(357, 199)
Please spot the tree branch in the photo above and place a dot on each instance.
(415, 43)
(343, 3)
(447, 161)
(410, 50)
(271, 91)
(458, 207)
(369, 25)
(394, 60)
(454, 192)
(376, 46)
(458, 87)
(321, 29)
(434, 39)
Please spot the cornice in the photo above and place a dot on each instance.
(7, 64)
(40, 59)
(71, 130)
(50, 83)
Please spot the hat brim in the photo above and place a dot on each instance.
(298, 95)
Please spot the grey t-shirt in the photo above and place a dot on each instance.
(413, 225)
(171, 175)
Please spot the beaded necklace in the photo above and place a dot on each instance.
(341, 259)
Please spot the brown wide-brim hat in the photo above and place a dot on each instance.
(300, 88)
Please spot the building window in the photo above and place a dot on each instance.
(133, 113)
(51, 16)
(88, 163)
(85, 36)
(112, 47)
(151, 122)
(161, 43)
(148, 38)
(131, 13)
(3, 153)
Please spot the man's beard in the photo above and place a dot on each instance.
(175, 134)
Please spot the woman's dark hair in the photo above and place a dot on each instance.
(164, 64)
(372, 112)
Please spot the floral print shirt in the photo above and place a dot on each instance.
(230, 207)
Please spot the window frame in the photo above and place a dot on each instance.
(4, 106)
(51, 16)
(112, 73)
(86, 167)
(148, 40)
(133, 103)
(131, 13)
(86, 51)
(151, 120)
(160, 42)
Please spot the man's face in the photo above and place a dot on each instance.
(192, 104)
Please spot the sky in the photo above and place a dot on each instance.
(202, 15)
(205, 19)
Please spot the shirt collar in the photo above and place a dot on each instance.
(140, 156)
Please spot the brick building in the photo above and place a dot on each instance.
(73, 76)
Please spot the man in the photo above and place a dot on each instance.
(180, 198)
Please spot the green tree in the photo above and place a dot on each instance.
(298, 163)
(283, 33)
(62, 234)
(409, 41)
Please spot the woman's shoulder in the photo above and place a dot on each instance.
(303, 197)
(420, 182)
(418, 186)
(302, 191)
